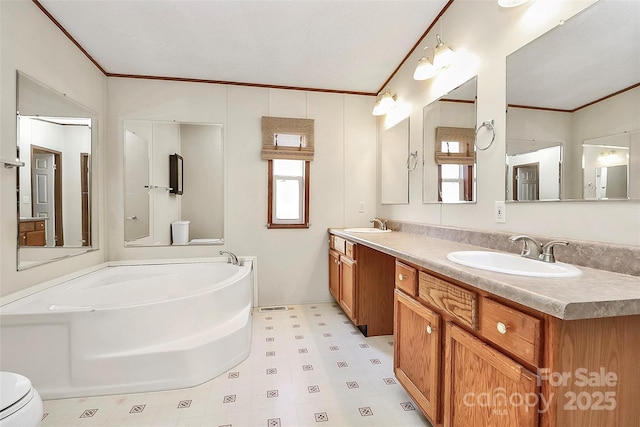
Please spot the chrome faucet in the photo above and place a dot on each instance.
(381, 223)
(547, 250)
(233, 259)
(533, 249)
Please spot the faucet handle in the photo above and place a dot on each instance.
(547, 250)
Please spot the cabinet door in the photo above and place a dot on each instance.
(483, 387)
(334, 274)
(417, 353)
(348, 287)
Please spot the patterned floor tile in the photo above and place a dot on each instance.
(305, 368)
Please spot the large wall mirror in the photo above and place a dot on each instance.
(573, 109)
(449, 155)
(395, 164)
(173, 183)
(56, 208)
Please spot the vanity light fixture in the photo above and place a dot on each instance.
(384, 103)
(511, 3)
(442, 55)
(425, 69)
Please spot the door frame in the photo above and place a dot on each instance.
(57, 190)
(85, 197)
(515, 178)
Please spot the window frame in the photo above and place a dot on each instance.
(271, 198)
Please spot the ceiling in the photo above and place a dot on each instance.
(592, 55)
(348, 46)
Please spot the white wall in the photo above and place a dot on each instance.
(292, 264)
(483, 35)
(203, 199)
(29, 42)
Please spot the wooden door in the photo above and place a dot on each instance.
(334, 274)
(348, 287)
(483, 387)
(417, 350)
(85, 208)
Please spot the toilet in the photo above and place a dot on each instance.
(20, 403)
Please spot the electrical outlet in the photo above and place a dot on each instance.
(500, 214)
(361, 207)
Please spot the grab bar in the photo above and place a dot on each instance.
(12, 163)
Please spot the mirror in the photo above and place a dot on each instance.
(573, 109)
(174, 183)
(56, 137)
(449, 154)
(394, 165)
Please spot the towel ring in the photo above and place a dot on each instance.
(489, 125)
(414, 156)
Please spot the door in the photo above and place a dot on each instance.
(46, 192)
(136, 191)
(348, 287)
(416, 361)
(483, 387)
(526, 182)
(334, 274)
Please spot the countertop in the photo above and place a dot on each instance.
(594, 294)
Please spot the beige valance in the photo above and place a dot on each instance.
(466, 154)
(286, 138)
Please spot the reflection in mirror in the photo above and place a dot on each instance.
(449, 155)
(394, 169)
(56, 137)
(533, 168)
(573, 118)
(174, 183)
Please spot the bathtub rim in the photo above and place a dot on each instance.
(15, 296)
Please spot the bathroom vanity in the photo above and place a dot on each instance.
(475, 347)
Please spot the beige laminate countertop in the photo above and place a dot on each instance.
(594, 294)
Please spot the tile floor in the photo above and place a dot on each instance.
(309, 366)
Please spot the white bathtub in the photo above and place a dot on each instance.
(130, 328)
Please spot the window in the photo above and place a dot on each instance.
(287, 144)
(288, 193)
(455, 157)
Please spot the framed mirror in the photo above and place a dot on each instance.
(394, 164)
(174, 183)
(449, 154)
(56, 139)
(573, 109)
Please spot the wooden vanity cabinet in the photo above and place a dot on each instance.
(483, 387)
(361, 280)
(32, 232)
(448, 358)
(496, 363)
(417, 350)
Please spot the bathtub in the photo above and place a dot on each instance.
(130, 328)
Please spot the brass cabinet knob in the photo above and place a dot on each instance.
(502, 328)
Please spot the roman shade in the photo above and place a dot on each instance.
(287, 138)
(466, 155)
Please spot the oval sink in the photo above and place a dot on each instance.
(512, 264)
(366, 230)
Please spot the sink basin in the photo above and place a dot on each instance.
(366, 230)
(512, 264)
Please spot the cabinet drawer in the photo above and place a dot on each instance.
(406, 279)
(339, 244)
(458, 302)
(350, 249)
(27, 226)
(512, 330)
